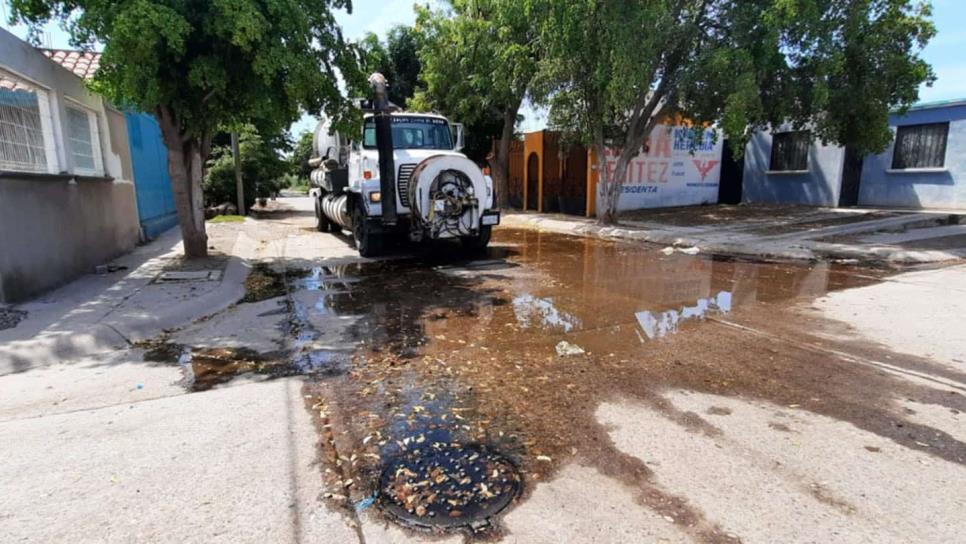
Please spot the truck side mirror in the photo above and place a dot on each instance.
(457, 129)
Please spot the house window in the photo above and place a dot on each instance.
(81, 132)
(920, 146)
(25, 142)
(789, 151)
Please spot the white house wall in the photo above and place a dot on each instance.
(56, 226)
(669, 174)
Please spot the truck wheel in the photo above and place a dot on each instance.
(368, 243)
(480, 241)
(322, 223)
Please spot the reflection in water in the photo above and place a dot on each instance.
(530, 310)
(461, 356)
(663, 323)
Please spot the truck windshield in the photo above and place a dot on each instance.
(412, 133)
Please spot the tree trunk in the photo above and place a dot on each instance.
(610, 184)
(185, 167)
(500, 163)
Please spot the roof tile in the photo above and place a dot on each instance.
(83, 64)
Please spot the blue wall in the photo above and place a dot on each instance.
(941, 189)
(149, 157)
(817, 187)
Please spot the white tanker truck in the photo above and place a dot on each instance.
(405, 177)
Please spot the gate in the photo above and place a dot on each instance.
(533, 181)
(152, 186)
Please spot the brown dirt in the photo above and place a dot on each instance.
(449, 354)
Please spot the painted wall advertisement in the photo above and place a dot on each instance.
(669, 172)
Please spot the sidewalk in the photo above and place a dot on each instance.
(98, 313)
(100, 444)
(780, 232)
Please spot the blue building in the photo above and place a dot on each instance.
(924, 166)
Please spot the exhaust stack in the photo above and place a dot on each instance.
(387, 166)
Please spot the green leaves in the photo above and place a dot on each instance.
(478, 59)
(217, 63)
(838, 66)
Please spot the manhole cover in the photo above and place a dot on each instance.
(448, 486)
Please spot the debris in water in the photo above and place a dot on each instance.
(689, 250)
(365, 503)
(9, 318)
(668, 250)
(566, 349)
(448, 486)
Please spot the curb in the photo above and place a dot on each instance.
(784, 247)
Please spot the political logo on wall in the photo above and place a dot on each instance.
(676, 167)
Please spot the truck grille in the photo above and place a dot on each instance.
(402, 182)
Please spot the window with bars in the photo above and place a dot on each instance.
(789, 151)
(82, 136)
(23, 115)
(920, 146)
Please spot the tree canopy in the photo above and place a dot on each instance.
(478, 59)
(396, 59)
(204, 66)
(612, 69)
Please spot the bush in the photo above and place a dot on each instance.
(262, 171)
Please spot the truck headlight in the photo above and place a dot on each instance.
(375, 197)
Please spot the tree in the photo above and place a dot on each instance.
(261, 164)
(396, 59)
(478, 60)
(613, 70)
(202, 66)
(298, 160)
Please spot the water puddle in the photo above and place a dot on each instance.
(206, 368)
(455, 359)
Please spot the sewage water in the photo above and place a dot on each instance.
(457, 355)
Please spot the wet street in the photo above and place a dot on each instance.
(568, 389)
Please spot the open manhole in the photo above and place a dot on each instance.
(448, 486)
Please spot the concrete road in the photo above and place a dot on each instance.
(638, 396)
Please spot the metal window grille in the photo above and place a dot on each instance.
(789, 151)
(920, 146)
(21, 127)
(81, 139)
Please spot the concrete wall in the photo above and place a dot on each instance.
(56, 226)
(942, 188)
(818, 187)
(52, 231)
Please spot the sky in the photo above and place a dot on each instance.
(945, 52)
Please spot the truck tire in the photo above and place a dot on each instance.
(368, 243)
(322, 223)
(480, 241)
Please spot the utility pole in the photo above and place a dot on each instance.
(238, 175)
